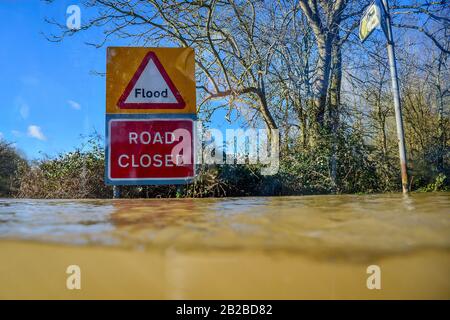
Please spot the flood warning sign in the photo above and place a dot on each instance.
(151, 88)
(145, 80)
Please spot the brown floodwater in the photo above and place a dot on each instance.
(310, 247)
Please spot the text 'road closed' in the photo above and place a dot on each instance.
(150, 148)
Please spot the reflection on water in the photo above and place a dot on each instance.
(356, 227)
(253, 248)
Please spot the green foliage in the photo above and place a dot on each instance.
(360, 168)
(11, 162)
(440, 184)
(76, 174)
(232, 180)
(306, 172)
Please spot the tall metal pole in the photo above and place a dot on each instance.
(396, 94)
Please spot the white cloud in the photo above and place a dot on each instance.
(75, 105)
(23, 107)
(1, 135)
(36, 132)
(24, 110)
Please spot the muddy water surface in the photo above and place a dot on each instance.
(280, 247)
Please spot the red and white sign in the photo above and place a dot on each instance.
(150, 150)
(151, 88)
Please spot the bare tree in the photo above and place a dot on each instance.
(282, 63)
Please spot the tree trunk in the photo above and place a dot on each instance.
(334, 104)
(322, 80)
(441, 130)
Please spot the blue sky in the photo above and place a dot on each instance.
(48, 94)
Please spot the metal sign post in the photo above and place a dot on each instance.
(374, 17)
(116, 192)
(396, 95)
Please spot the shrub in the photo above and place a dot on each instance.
(11, 162)
(76, 174)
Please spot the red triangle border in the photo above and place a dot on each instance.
(180, 104)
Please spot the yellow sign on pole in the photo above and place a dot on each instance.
(150, 80)
(370, 21)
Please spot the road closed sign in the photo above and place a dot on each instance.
(150, 80)
(150, 151)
